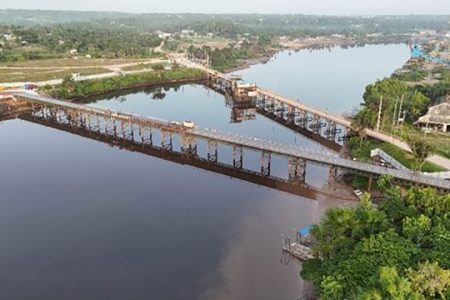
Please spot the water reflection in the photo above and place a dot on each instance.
(332, 79)
(82, 220)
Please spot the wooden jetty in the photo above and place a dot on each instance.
(296, 249)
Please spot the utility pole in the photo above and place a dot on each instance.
(379, 113)
(400, 110)
(395, 112)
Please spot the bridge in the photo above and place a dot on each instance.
(145, 130)
(326, 128)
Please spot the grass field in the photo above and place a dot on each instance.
(33, 75)
(70, 62)
(138, 67)
(362, 153)
(440, 141)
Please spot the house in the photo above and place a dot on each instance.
(73, 51)
(9, 36)
(437, 117)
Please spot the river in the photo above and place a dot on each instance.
(80, 219)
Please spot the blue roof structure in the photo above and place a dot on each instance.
(416, 52)
(305, 231)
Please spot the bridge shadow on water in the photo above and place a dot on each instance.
(273, 182)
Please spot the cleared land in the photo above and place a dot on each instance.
(70, 63)
(23, 75)
(43, 70)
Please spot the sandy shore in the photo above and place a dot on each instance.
(244, 64)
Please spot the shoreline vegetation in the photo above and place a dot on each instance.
(397, 249)
(81, 90)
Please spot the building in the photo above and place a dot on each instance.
(437, 117)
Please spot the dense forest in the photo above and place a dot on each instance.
(396, 250)
(25, 43)
(231, 24)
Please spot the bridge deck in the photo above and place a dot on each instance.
(319, 157)
(308, 108)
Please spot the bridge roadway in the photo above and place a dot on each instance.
(303, 107)
(290, 151)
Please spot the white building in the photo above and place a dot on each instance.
(437, 117)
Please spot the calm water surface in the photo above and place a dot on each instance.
(82, 220)
(333, 79)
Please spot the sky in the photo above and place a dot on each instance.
(323, 7)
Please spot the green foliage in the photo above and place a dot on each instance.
(415, 104)
(233, 24)
(58, 41)
(226, 58)
(382, 252)
(82, 89)
(421, 150)
(430, 280)
(394, 286)
(360, 149)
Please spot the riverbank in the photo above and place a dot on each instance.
(80, 90)
(247, 63)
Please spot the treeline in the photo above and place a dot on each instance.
(396, 98)
(71, 89)
(234, 24)
(24, 43)
(225, 58)
(391, 91)
(396, 250)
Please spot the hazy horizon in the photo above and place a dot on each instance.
(310, 7)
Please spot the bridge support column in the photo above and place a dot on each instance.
(297, 170)
(147, 140)
(265, 164)
(370, 183)
(332, 174)
(291, 114)
(315, 126)
(271, 106)
(331, 131)
(188, 145)
(212, 151)
(347, 135)
(238, 157)
(166, 140)
(303, 119)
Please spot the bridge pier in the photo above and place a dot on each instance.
(147, 140)
(297, 170)
(265, 163)
(291, 114)
(212, 151)
(333, 175)
(303, 119)
(316, 125)
(331, 131)
(188, 145)
(238, 157)
(166, 140)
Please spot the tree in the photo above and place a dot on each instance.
(394, 286)
(421, 149)
(430, 280)
(373, 253)
(362, 120)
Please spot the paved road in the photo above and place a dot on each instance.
(440, 161)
